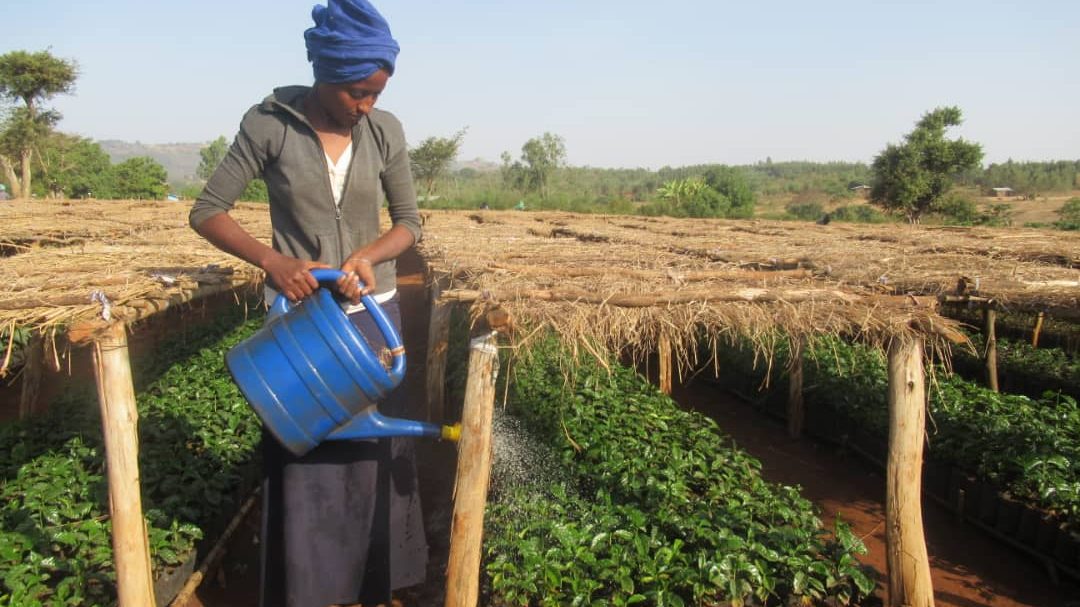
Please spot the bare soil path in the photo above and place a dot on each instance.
(969, 569)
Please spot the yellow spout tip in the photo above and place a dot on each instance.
(452, 433)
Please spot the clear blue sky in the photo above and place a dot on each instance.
(625, 83)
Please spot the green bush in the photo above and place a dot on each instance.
(997, 215)
(957, 210)
(660, 509)
(807, 211)
(1070, 211)
(1023, 369)
(858, 213)
(1070, 215)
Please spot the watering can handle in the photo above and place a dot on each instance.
(389, 333)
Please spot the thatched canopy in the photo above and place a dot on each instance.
(614, 281)
(603, 282)
(66, 265)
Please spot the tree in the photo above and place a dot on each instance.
(513, 173)
(256, 191)
(211, 157)
(431, 158)
(679, 190)
(720, 192)
(692, 197)
(30, 78)
(706, 203)
(1030, 178)
(542, 156)
(20, 133)
(69, 166)
(141, 178)
(913, 177)
(731, 183)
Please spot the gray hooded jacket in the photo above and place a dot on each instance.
(277, 143)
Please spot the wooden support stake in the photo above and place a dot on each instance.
(968, 300)
(186, 593)
(1037, 330)
(664, 354)
(990, 320)
(795, 410)
(473, 474)
(906, 557)
(438, 342)
(119, 420)
(31, 376)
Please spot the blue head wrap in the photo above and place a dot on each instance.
(349, 42)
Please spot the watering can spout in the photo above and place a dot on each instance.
(452, 432)
(369, 423)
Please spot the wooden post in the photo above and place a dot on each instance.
(31, 376)
(119, 421)
(186, 593)
(906, 557)
(1037, 330)
(473, 474)
(795, 409)
(990, 320)
(438, 341)
(664, 354)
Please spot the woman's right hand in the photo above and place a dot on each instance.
(291, 276)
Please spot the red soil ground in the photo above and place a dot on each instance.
(968, 568)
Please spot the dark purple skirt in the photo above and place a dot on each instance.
(342, 524)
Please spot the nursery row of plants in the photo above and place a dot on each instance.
(1016, 458)
(1022, 368)
(197, 446)
(651, 505)
(1020, 326)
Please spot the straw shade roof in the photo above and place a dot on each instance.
(67, 265)
(604, 283)
(615, 281)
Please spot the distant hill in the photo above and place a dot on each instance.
(179, 159)
(477, 164)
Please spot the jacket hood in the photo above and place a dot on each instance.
(289, 99)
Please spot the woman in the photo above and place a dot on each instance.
(342, 524)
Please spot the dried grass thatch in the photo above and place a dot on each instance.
(605, 283)
(68, 264)
(612, 282)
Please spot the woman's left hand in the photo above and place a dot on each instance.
(356, 268)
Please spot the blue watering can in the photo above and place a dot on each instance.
(311, 376)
